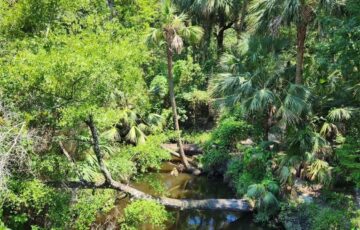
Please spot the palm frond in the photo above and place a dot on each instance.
(269, 200)
(192, 33)
(320, 171)
(340, 114)
(136, 135)
(111, 134)
(328, 128)
(155, 36)
(256, 191)
(261, 100)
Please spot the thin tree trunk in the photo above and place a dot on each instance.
(220, 35)
(268, 123)
(111, 6)
(240, 25)
(206, 40)
(220, 41)
(301, 35)
(173, 105)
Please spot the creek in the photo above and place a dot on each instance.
(191, 187)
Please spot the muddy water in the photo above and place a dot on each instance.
(188, 186)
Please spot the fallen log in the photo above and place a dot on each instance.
(174, 153)
(204, 204)
(207, 204)
(189, 149)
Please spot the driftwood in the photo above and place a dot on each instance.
(209, 204)
(189, 149)
(174, 153)
(193, 169)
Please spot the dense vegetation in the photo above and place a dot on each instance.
(270, 89)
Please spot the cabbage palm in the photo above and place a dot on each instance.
(271, 14)
(172, 32)
(224, 13)
(261, 89)
(264, 195)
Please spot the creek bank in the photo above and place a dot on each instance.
(187, 186)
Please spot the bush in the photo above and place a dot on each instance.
(295, 216)
(230, 131)
(251, 168)
(145, 212)
(224, 140)
(348, 156)
(315, 217)
(214, 160)
(89, 204)
(25, 203)
(330, 219)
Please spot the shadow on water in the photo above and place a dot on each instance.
(192, 187)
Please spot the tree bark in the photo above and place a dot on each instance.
(240, 25)
(173, 103)
(206, 42)
(220, 34)
(301, 36)
(111, 6)
(268, 122)
(189, 149)
(207, 204)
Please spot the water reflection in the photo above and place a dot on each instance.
(212, 220)
(190, 187)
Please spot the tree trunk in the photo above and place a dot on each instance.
(268, 122)
(206, 42)
(220, 42)
(301, 35)
(111, 5)
(240, 25)
(209, 204)
(173, 104)
(220, 34)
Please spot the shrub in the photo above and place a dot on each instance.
(295, 216)
(89, 204)
(143, 212)
(214, 160)
(330, 219)
(230, 132)
(28, 201)
(348, 156)
(224, 139)
(233, 170)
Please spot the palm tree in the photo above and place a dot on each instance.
(262, 90)
(269, 15)
(223, 13)
(173, 29)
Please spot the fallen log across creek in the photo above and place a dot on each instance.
(204, 204)
(189, 149)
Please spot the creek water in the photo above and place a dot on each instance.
(191, 187)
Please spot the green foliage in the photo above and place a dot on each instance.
(317, 216)
(150, 154)
(27, 201)
(348, 155)
(224, 139)
(159, 88)
(215, 160)
(230, 131)
(188, 75)
(127, 160)
(89, 204)
(330, 219)
(53, 166)
(63, 60)
(142, 213)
